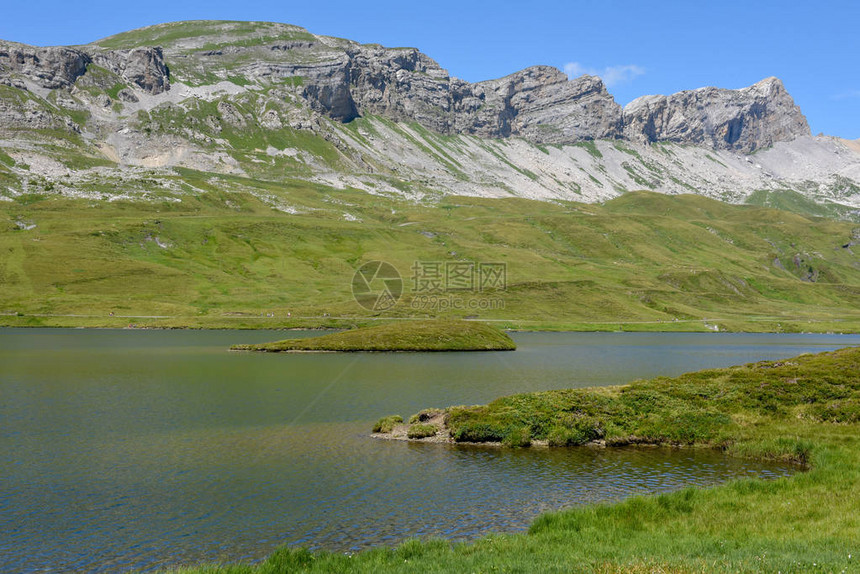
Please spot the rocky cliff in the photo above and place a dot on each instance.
(540, 104)
(56, 68)
(744, 120)
(344, 80)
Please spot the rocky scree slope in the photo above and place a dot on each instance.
(269, 101)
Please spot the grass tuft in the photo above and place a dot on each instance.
(420, 430)
(386, 424)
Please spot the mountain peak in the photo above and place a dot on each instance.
(745, 120)
(196, 34)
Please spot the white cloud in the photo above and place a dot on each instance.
(611, 75)
(850, 95)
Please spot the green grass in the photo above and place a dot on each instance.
(419, 431)
(780, 410)
(793, 201)
(425, 415)
(431, 335)
(591, 148)
(386, 424)
(698, 408)
(228, 256)
(6, 160)
(168, 34)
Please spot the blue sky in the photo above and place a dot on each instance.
(639, 47)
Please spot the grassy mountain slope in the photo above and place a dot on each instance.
(241, 249)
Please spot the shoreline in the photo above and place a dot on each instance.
(546, 328)
(399, 435)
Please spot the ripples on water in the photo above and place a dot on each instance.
(135, 450)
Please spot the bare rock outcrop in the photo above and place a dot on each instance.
(57, 67)
(541, 105)
(143, 67)
(28, 115)
(402, 84)
(50, 68)
(742, 120)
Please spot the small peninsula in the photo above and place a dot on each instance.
(412, 336)
(717, 408)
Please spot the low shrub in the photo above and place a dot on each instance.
(518, 437)
(422, 431)
(573, 431)
(563, 436)
(686, 427)
(478, 431)
(841, 411)
(386, 424)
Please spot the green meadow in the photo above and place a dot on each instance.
(204, 250)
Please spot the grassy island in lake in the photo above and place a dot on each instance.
(430, 335)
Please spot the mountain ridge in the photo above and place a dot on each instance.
(346, 80)
(274, 101)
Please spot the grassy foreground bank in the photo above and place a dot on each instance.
(804, 409)
(427, 335)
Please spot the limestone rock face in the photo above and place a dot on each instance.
(320, 75)
(143, 67)
(541, 105)
(742, 120)
(49, 68)
(28, 115)
(55, 68)
(327, 90)
(402, 84)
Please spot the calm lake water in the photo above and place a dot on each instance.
(124, 450)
